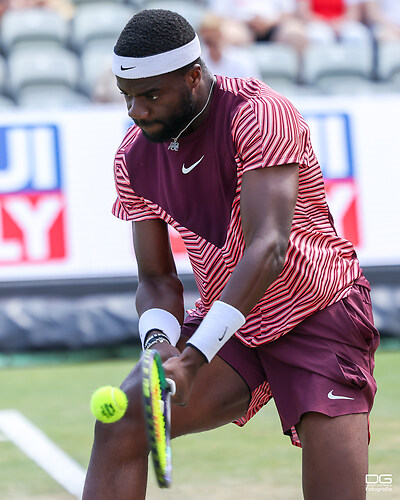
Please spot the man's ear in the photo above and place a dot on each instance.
(194, 76)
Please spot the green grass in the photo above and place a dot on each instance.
(229, 463)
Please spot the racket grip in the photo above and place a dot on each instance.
(172, 386)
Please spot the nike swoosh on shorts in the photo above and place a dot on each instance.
(333, 396)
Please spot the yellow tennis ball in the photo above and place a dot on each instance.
(108, 404)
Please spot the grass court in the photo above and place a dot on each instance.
(256, 461)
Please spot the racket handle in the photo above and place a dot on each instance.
(172, 386)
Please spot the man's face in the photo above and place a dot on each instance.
(161, 105)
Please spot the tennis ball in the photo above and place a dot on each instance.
(108, 404)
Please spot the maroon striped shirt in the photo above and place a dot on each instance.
(248, 126)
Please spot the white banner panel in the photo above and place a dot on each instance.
(361, 154)
(57, 188)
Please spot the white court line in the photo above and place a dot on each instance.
(34, 443)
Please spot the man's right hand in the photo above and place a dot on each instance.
(166, 350)
(182, 369)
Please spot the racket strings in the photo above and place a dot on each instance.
(156, 399)
(158, 416)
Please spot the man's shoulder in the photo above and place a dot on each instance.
(235, 85)
(254, 95)
(131, 135)
(248, 88)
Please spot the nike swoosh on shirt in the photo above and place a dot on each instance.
(332, 396)
(186, 170)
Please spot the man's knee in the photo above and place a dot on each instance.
(319, 428)
(127, 436)
(335, 456)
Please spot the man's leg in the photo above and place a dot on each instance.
(335, 456)
(118, 465)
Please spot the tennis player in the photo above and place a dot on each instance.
(284, 309)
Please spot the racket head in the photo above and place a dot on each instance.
(157, 413)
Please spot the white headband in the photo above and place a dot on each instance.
(144, 67)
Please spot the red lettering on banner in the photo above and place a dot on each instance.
(342, 196)
(177, 245)
(32, 228)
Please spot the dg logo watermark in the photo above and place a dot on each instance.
(378, 482)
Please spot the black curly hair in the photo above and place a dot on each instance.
(153, 31)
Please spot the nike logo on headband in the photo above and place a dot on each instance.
(126, 69)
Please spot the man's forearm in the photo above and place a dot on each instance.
(164, 292)
(159, 302)
(257, 270)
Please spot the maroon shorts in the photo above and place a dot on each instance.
(325, 364)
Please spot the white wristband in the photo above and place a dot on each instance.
(159, 319)
(218, 326)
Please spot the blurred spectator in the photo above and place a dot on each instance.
(63, 7)
(105, 89)
(4, 5)
(261, 20)
(333, 20)
(220, 56)
(383, 17)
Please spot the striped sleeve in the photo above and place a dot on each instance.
(128, 205)
(268, 131)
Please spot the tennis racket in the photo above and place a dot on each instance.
(157, 391)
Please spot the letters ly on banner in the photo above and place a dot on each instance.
(32, 202)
